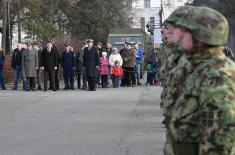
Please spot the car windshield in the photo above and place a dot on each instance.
(122, 39)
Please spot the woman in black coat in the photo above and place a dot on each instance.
(91, 61)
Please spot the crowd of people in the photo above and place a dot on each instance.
(198, 74)
(92, 66)
(195, 69)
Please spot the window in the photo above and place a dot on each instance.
(131, 22)
(146, 3)
(142, 23)
(152, 20)
(167, 2)
(134, 39)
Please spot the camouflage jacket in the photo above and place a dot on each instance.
(205, 112)
(164, 53)
(170, 62)
(176, 82)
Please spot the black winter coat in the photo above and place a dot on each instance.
(49, 60)
(91, 59)
(78, 62)
(68, 63)
(14, 58)
(2, 60)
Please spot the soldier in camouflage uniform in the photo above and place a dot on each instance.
(203, 121)
(169, 54)
(162, 55)
(177, 68)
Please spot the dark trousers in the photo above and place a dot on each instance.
(79, 75)
(123, 79)
(129, 76)
(104, 80)
(69, 82)
(84, 79)
(38, 78)
(57, 81)
(150, 78)
(2, 82)
(30, 83)
(49, 75)
(92, 83)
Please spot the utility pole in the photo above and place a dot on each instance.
(160, 14)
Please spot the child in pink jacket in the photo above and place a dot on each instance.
(104, 69)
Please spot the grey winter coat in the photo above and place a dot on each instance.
(30, 63)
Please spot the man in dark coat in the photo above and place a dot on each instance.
(16, 64)
(124, 46)
(91, 61)
(78, 62)
(68, 65)
(49, 63)
(57, 81)
(121, 53)
(100, 50)
(84, 79)
(99, 47)
(109, 49)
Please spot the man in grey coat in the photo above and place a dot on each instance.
(30, 65)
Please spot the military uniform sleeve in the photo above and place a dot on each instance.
(217, 117)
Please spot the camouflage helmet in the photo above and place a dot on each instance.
(207, 25)
(177, 14)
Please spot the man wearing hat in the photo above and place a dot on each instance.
(91, 61)
(203, 118)
(68, 64)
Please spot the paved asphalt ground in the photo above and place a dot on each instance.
(125, 121)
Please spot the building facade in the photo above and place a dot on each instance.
(145, 11)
